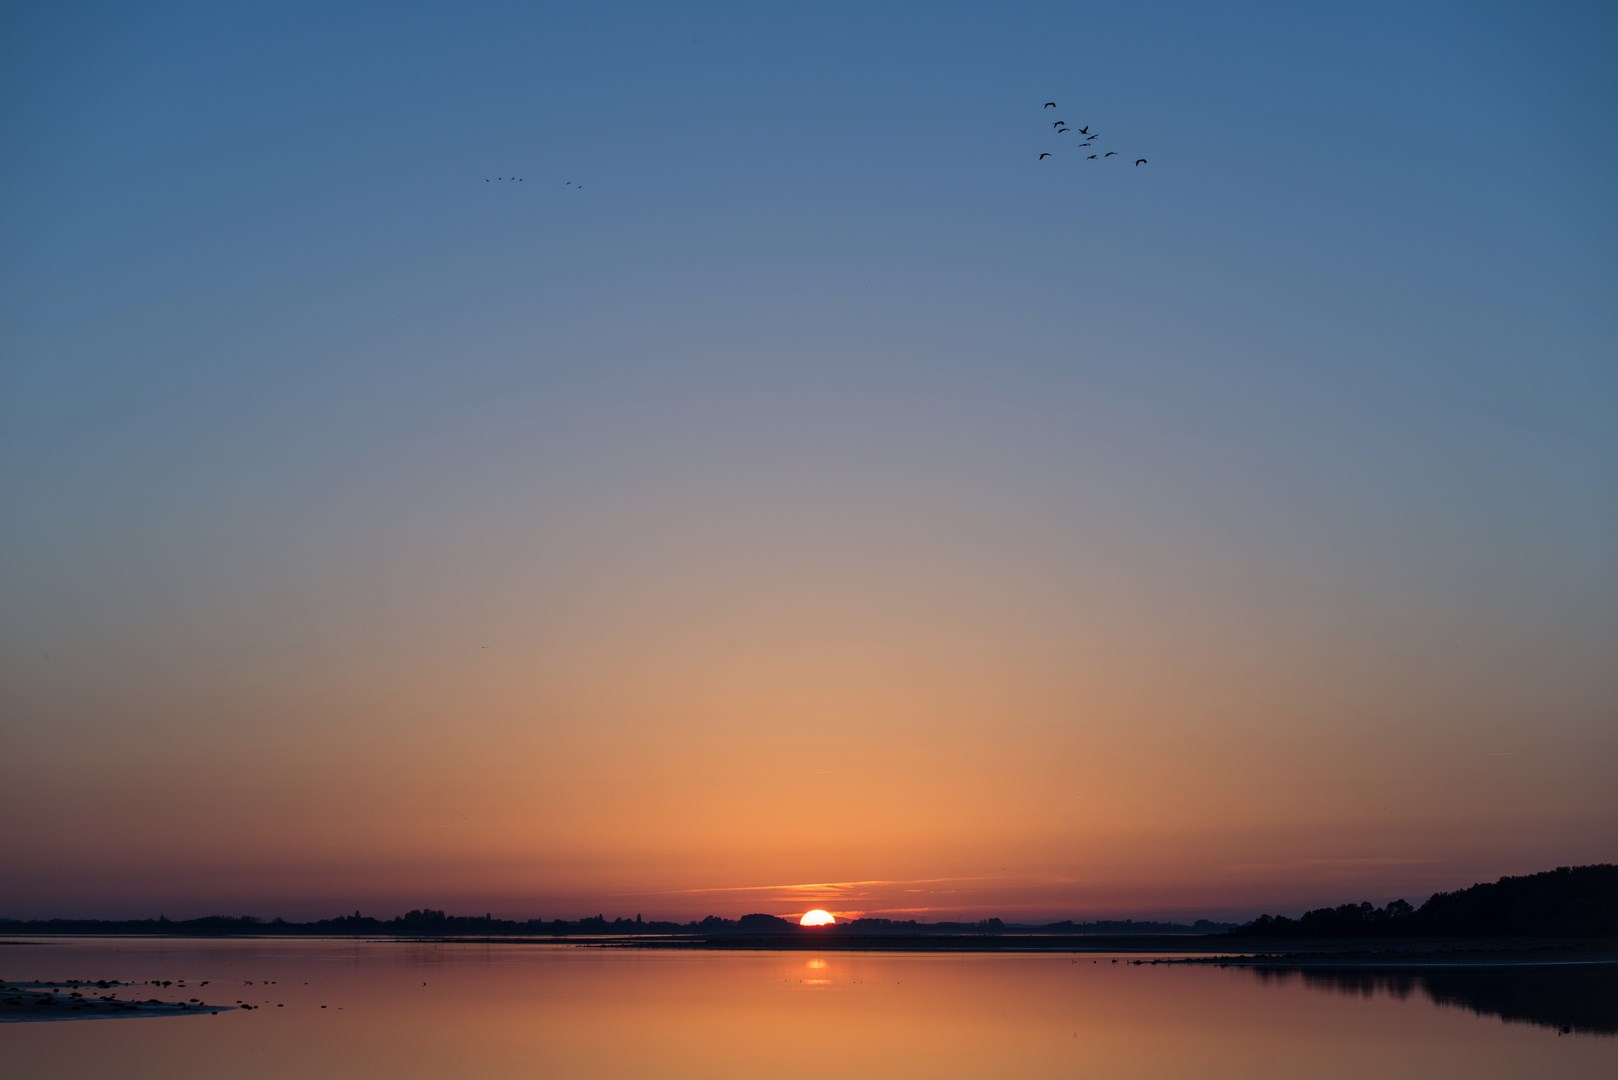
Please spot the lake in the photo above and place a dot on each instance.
(330, 1008)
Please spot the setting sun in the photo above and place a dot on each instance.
(816, 917)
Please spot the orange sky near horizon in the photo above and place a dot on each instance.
(968, 740)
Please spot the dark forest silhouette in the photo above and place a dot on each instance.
(1578, 901)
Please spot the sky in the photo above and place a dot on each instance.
(794, 492)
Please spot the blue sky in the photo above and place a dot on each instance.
(1333, 374)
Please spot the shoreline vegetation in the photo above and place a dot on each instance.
(437, 924)
(1565, 915)
(1137, 949)
(1577, 901)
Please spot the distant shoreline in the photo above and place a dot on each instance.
(1205, 949)
(1219, 949)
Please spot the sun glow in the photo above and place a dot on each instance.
(816, 917)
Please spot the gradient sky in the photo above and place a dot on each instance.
(829, 505)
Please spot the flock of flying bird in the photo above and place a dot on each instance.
(1088, 138)
(518, 179)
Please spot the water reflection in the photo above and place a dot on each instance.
(1579, 999)
(420, 1010)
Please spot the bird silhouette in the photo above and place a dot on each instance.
(1050, 104)
(1042, 157)
(1084, 131)
(1059, 123)
(1140, 161)
(1092, 157)
(1109, 153)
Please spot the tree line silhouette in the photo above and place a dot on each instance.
(429, 922)
(1570, 901)
(1577, 901)
(417, 922)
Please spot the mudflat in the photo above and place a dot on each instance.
(78, 999)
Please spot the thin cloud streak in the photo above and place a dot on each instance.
(813, 886)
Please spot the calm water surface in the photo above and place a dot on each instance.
(403, 1009)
